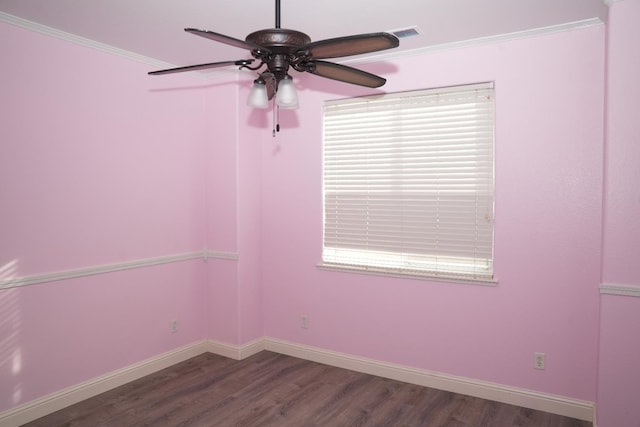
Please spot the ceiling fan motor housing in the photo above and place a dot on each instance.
(276, 38)
(282, 44)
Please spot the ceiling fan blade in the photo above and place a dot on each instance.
(201, 67)
(349, 45)
(227, 40)
(345, 74)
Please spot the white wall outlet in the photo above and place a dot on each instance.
(174, 326)
(538, 360)
(304, 321)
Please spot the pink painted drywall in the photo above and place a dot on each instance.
(94, 155)
(217, 190)
(221, 166)
(59, 334)
(250, 293)
(619, 371)
(549, 115)
(622, 198)
(99, 164)
(233, 218)
(222, 212)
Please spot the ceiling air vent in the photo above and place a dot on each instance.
(404, 33)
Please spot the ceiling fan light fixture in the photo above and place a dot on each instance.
(258, 95)
(287, 97)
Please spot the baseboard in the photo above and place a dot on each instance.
(497, 392)
(54, 402)
(236, 352)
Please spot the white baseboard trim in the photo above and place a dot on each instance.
(236, 352)
(497, 392)
(54, 402)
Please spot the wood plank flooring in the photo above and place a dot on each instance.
(270, 389)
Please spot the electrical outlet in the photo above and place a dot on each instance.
(174, 326)
(304, 322)
(538, 360)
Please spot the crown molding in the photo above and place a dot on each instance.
(154, 63)
(82, 41)
(103, 47)
(535, 32)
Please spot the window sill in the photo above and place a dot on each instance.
(409, 274)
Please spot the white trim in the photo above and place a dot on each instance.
(406, 274)
(622, 290)
(82, 41)
(609, 2)
(535, 32)
(236, 352)
(101, 269)
(497, 392)
(110, 268)
(156, 64)
(72, 395)
(220, 255)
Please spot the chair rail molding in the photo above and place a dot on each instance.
(205, 254)
(621, 290)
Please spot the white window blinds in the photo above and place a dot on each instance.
(408, 182)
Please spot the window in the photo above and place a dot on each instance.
(408, 183)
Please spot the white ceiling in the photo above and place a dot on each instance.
(154, 28)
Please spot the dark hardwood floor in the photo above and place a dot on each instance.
(270, 389)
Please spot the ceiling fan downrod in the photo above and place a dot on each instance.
(277, 13)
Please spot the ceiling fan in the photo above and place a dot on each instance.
(281, 49)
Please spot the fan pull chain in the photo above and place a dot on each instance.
(276, 119)
(273, 132)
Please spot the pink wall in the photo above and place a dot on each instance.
(249, 172)
(619, 371)
(549, 98)
(622, 198)
(99, 164)
(59, 334)
(233, 218)
(222, 214)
